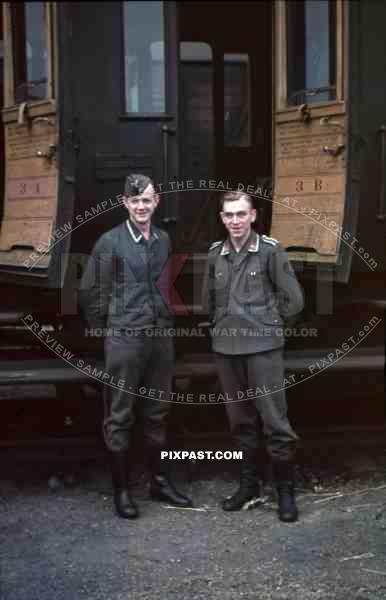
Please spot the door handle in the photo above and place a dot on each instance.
(381, 210)
(49, 154)
(334, 151)
(166, 132)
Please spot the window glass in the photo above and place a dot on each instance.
(311, 51)
(30, 52)
(144, 57)
(236, 100)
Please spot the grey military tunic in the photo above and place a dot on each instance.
(251, 293)
(122, 290)
(122, 287)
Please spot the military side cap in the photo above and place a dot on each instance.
(136, 184)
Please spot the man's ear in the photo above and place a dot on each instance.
(156, 199)
(254, 215)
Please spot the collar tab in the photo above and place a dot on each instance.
(254, 243)
(136, 236)
(226, 249)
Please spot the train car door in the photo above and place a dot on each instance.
(125, 101)
(29, 207)
(225, 103)
(328, 208)
(311, 123)
(225, 108)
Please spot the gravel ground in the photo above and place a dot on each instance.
(68, 544)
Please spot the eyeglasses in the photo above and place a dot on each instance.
(136, 200)
(241, 214)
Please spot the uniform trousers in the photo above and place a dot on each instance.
(138, 360)
(260, 375)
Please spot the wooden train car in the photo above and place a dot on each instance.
(283, 99)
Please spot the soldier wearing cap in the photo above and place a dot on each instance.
(252, 289)
(124, 289)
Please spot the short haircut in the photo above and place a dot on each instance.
(136, 184)
(233, 196)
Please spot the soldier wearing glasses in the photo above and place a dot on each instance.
(252, 289)
(120, 290)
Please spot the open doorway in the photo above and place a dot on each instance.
(225, 108)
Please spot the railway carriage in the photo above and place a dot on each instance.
(284, 99)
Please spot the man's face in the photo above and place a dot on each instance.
(142, 207)
(238, 217)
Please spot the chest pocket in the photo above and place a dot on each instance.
(260, 297)
(252, 285)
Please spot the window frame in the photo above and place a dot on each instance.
(280, 65)
(126, 115)
(9, 72)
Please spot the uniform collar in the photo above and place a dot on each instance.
(252, 245)
(136, 234)
(254, 242)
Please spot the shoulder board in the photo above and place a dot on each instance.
(270, 240)
(215, 245)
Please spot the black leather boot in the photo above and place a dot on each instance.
(248, 494)
(124, 505)
(161, 486)
(285, 485)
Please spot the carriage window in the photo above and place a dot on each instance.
(311, 51)
(144, 57)
(30, 50)
(236, 100)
